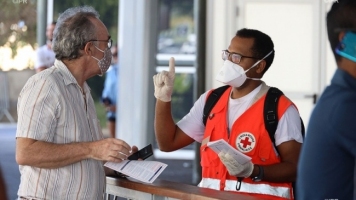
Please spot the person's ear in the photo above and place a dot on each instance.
(341, 35)
(261, 66)
(88, 48)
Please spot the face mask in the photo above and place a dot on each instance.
(233, 74)
(105, 62)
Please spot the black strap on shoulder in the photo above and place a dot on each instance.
(270, 111)
(211, 101)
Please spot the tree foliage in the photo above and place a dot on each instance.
(17, 23)
(107, 9)
(18, 19)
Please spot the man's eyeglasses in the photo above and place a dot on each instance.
(235, 57)
(108, 41)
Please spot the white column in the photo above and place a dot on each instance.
(221, 27)
(137, 60)
(41, 22)
(49, 11)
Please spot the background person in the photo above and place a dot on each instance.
(327, 163)
(44, 55)
(238, 113)
(109, 96)
(60, 148)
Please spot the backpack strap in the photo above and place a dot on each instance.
(270, 111)
(211, 100)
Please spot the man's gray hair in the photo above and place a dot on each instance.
(73, 30)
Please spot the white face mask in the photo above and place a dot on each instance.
(233, 74)
(105, 62)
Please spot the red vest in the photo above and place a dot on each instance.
(248, 135)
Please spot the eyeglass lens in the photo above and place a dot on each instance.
(234, 57)
(109, 43)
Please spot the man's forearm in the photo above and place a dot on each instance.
(164, 125)
(48, 155)
(281, 172)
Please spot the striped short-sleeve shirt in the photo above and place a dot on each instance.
(52, 108)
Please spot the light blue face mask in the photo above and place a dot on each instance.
(234, 75)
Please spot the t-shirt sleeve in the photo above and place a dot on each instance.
(39, 61)
(37, 110)
(44, 57)
(192, 123)
(110, 86)
(289, 127)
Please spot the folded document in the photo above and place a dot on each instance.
(145, 171)
(222, 146)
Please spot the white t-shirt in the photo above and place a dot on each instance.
(289, 126)
(44, 57)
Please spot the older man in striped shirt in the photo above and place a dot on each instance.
(60, 147)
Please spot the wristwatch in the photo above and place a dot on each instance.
(260, 174)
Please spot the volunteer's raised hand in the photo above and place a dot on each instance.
(164, 81)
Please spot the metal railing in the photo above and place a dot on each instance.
(127, 188)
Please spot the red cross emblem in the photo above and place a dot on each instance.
(245, 142)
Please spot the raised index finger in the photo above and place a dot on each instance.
(171, 66)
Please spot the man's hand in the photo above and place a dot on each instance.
(110, 149)
(234, 167)
(164, 83)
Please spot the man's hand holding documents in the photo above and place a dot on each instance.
(145, 171)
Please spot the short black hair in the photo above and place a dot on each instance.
(262, 45)
(341, 17)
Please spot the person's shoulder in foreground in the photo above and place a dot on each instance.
(60, 148)
(326, 168)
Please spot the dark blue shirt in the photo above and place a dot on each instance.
(327, 162)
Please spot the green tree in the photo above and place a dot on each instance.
(17, 24)
(107, 9)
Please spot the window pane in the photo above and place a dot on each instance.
(176, 27)
(182, 97)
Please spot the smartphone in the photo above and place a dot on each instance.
(347, 46)
(142, 153)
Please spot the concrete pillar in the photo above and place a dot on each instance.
(41, 22)
(137, 60)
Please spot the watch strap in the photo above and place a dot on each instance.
(260, 174)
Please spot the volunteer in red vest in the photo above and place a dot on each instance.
(238, 119)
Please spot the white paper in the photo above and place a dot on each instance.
(145, 171)
(222, 146)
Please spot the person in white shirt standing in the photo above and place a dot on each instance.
(44, 55)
